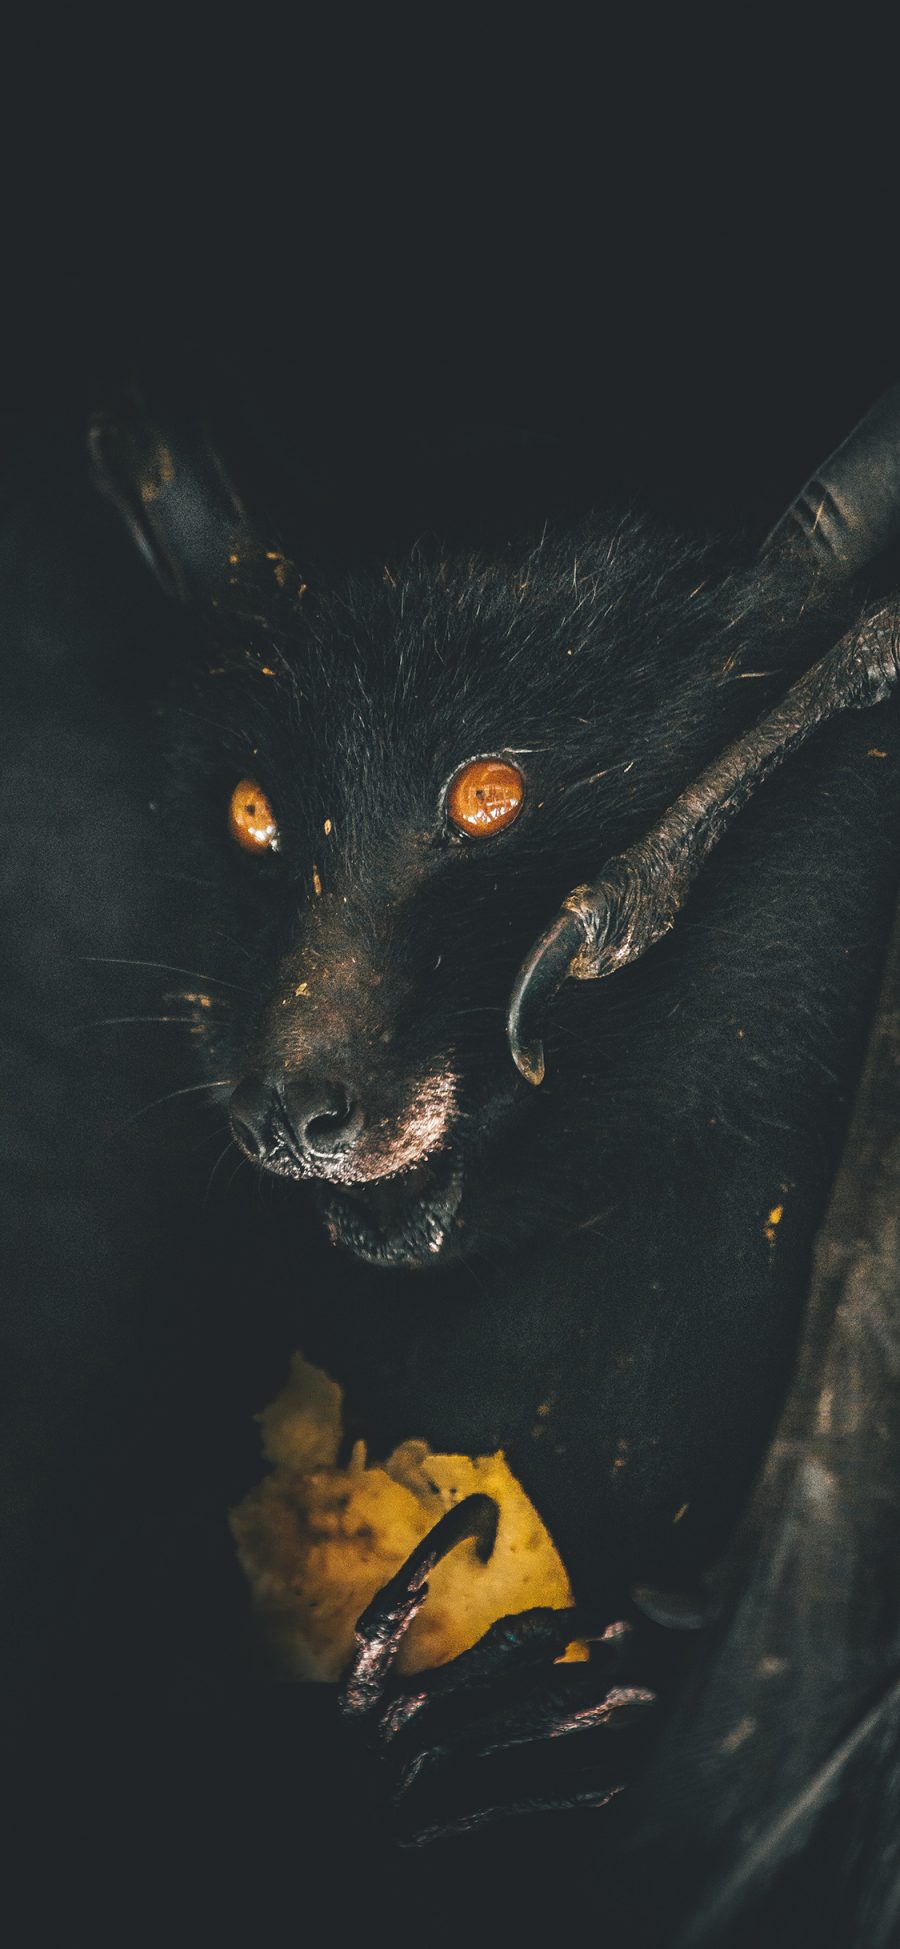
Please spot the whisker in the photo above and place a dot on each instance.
(226, 1083)
(115, 1021)
(474, 1276)
(485, 1008)
(184, 879)
(208, 1138)
(222, 1153)
(122, 961)
(184, 710)
(241, 1160)
(251, 955)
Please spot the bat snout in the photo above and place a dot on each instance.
(303, 1126)
(287, 1121)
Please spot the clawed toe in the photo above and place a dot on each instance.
(455, 1726)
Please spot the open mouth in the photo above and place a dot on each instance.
(405, 1219)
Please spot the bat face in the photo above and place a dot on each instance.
(389, 796)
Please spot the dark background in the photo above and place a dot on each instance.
(387, 360)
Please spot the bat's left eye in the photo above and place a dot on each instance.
(485, 796)
(251, 820)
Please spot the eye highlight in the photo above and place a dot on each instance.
(251, 820)
(485, 796)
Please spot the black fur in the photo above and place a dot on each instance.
(614, 1253)
(620, 1270)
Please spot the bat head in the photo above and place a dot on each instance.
(390, 779)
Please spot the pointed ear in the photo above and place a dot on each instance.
(190, 523)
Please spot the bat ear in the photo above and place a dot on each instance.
(849, 510)
(176, 496)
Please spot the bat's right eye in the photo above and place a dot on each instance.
(251, 820)
(484, 797)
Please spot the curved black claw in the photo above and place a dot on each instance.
(381, 1629)
(538, 981)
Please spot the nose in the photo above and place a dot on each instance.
(308, 1122)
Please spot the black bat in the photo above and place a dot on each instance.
(417, 762)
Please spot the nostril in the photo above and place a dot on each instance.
(326, 1120)
(324, 1123)
(272, 1117)
(250, 1113)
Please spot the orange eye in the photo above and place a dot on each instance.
(251, 820)
(485, 796)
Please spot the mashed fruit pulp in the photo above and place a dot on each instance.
(317, 1541)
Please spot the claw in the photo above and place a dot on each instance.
(510, 1648)
(510, 1810)
(384, 1624)
(537, 983)
(555, 1712)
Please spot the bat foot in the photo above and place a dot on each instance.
(505, 1731)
